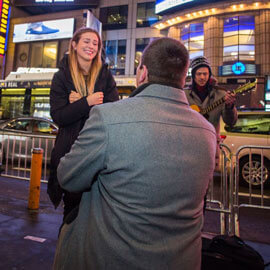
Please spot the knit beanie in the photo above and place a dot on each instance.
(199, 62)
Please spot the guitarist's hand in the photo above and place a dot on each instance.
(230, 99)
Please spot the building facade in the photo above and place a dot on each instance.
(233, 35)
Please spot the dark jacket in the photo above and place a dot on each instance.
(70, 117)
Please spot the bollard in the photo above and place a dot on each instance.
(35, 176)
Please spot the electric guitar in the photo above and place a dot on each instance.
(240, 90)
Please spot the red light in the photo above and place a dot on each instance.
(223, 137)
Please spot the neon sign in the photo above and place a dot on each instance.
(4, 23)
(238, 68)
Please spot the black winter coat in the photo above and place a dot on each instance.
(70, 117)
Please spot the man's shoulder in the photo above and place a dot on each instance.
(113, 110)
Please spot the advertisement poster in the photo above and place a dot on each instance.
(46, 30)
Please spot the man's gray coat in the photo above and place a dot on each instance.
(144, 164)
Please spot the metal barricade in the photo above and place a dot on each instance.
(220, 195)
(15, 155)
(250, 151)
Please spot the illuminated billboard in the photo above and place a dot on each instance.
(46, 30)
(4, 24)
(169, 6)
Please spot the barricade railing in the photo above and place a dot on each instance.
(220, 195)
(257, 172)
(15, 154)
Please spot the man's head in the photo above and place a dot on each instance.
(200, 70)
(164, 60)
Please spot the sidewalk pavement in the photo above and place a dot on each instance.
(28, 238)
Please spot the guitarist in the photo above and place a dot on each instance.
(204, 92)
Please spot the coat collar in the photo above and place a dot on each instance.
(161, 91)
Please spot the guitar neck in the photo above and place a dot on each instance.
(213, 106)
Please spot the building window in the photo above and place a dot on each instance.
(141, 43)
(146, 14)
(238, 39)
(114, 17)
(115, 51)
(192, 35)
(43, 54)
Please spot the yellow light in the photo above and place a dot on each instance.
(194, 14)
(200, 12)
(169, 22)
(213, 10)
(207, 11)
(241, 6)
(256, 4)
(188, 15)
(178, 19)
(234, 6)
(173, 20)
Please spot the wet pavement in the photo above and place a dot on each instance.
(28, 237)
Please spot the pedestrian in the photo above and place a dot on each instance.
(143, 165)
(82, 82)
(204, 92)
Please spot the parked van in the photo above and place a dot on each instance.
(252, 128)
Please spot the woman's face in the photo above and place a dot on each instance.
(87, 47)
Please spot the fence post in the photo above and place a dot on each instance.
(35, 176)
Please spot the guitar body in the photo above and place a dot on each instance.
(195, 108)
(199, 110)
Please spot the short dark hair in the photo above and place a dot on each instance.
(166, 60)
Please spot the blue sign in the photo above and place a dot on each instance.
(238, 68)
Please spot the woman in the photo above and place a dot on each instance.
(82, 82)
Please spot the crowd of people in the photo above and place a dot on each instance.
(133, 174)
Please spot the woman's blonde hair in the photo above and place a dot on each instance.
(82, 87)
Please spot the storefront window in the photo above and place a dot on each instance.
(115, 51)
(24, 102)
(238, 39)
(114, 17)
(146, 14)
(43, 54)
(192, 35)
(12, 103)
(49, 55)
(40, 102)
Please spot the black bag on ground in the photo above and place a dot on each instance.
(225, 252)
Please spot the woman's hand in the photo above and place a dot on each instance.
(74, 96)
(95, 98)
